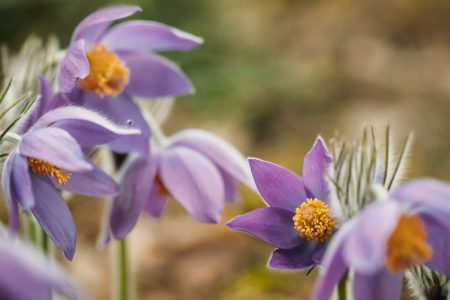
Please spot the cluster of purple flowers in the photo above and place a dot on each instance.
(106, 71)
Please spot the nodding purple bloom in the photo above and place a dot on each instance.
(27, 274)
(389, 237)
(299, 219)
(50, 157)
(106, 67)
(195, 167)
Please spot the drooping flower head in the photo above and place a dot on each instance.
(299, 219)
(48, 157)
(198, 169)
(388, 238)
(106, 67)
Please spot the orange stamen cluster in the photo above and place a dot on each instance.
(314, 220)
(42, 167)
(407, 246)
(108, 74)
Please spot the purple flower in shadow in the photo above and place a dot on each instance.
(299, 218)
(27, 274)
(198, 169)
(50, 157)
(106, 67)
(389, 237)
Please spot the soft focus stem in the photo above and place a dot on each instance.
(342, 288)
(124, 292)
(32, 230)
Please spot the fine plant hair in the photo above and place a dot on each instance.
(365, 163)
(426, 284)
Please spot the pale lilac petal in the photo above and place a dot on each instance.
(91, 183)
(56, 146)
(10, 189)
(134, 192)
(381, 285)
(124, 112)
(21, 181)
(277, 185)
(231, 187)
(365, 248)
(194, 182)
(428, 194)
(315, 166)
(225, 156)
(156, 204)
(148, 36)
(74, 66)
(94, 25)
(152, 76)
(440, 242)
(54, 216)
(87, 127)
(298, 258)
(39, 107)
(270, 224)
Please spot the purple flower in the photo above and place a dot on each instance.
(389, 237)
(195, 167)
(106, 67)
(49, 157)
(299, 219)
(26, 274)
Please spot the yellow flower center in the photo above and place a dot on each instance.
(407, 246)
(42, 167)
(314, 220)
(108, 74)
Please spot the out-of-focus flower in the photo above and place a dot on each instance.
(407, 228)
(198, 169)
(27, 274)
(299, 219)
(106, 67)
(48, 157)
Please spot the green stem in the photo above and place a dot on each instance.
(45, 245)
(124, 271)
(342, 289)
(32, 230)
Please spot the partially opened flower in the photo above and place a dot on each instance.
(27, 274)
(388, 238)
(106, 67)
(48, 157)
(299, 219)
(195, 167)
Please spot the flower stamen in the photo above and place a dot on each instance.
(314, 220)
(407, 246)
(42, 167)
(108, 74)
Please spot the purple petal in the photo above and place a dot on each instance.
(87, 127)
(225, 156)
(429, 194)
(74, 66)
(10, 190)
(94, 25)
(381, 285)
(149, 36)
(133, 195)
(54, 216)
(315, 166)
(55, 146)
(194, 182)
(270, 224)
(440, 243)
(124, 112)
(298, 258)
(21, 181)
(231, 187)
(277, 185)
(156, 204)
(365, 248)
(152, 76)
(91, 183)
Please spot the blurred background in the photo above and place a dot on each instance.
(271, 75)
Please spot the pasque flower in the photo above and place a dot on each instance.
(407, 229)
(299, 219)
(49, 156)
(198, 169)
(106, 67)
(27, 274)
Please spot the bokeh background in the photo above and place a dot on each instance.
(271, 75)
